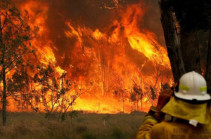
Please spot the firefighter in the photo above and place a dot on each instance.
(188, 111)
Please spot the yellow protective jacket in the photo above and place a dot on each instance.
(151, 129)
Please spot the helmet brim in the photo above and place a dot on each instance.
(205, 97)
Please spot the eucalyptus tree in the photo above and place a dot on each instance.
(14, 45)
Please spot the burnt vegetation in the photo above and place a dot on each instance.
(29, 84)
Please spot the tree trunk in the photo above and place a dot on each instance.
(171, 39)
(3, 75)
(141, 103)
(123, 103)
(208, 69)
(4, 98)
(190, 51)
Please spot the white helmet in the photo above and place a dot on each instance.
(192, 86)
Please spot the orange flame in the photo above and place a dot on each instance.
(104, 62)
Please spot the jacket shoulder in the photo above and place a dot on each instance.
(170, 130)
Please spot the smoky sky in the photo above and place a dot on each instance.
(86, 13)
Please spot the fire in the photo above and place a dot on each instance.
(97, 34)
(72, 32)
(143, 41)
(104, 64)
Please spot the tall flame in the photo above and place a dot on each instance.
(106, 63)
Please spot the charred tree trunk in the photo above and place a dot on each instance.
(3, 76)
(171, 39)
(208, 70)
(4, 96)
(141, 102)
(190, 51)
(123, 103)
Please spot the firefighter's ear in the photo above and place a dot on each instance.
(177, 87)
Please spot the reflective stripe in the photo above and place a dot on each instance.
(203, 88)
(183, 87)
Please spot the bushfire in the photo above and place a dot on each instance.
(101, 52)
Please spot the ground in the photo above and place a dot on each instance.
(82, 126)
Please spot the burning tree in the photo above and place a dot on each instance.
(56, 92)
(50, 91)
(109, 55)
(137, 95)
(18, 88)
(14, 44)
(122, 94)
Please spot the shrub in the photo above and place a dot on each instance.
(117, 134)
(81, 129)
(88, 136)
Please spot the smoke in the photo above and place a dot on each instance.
(94, 14)
(79, 13)
(151, 20)
(91, 40)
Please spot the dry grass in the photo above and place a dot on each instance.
(82, 126)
